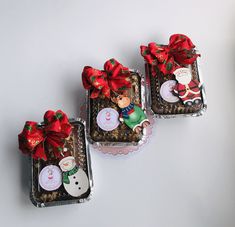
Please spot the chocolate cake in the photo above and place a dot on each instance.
(76, 145)
(122, 134)
(162, 108)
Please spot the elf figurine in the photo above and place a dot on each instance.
(187, 89)
(132, 115)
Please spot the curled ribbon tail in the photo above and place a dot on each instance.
(95, 93)
(186, 57)
(40, 152)
(56, 143)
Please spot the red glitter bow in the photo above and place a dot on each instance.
(168, 58)
(34, 137)
(115, 77)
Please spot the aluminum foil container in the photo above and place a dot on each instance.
(119, 147)
(80, 151)
(153, 96)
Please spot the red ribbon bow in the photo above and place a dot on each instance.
(114, 77)
(33, 138)
(169, 57)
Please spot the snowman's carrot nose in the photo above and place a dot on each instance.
(66, 164)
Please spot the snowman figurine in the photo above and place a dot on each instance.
(75, 180)
(187, 89)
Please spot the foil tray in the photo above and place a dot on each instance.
(168, 116)
(119, 147)
(36, 191)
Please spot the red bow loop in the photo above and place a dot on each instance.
(115, 77)
(96, 80)
(33, 137)
(161, 53)
(57, 123)
(168, 58)
(118, 75)
(30, 137)
(182, 49)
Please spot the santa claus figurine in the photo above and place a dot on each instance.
(187, 89)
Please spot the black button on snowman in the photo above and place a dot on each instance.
(75, 180)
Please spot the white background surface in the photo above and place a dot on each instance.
(185, 175)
